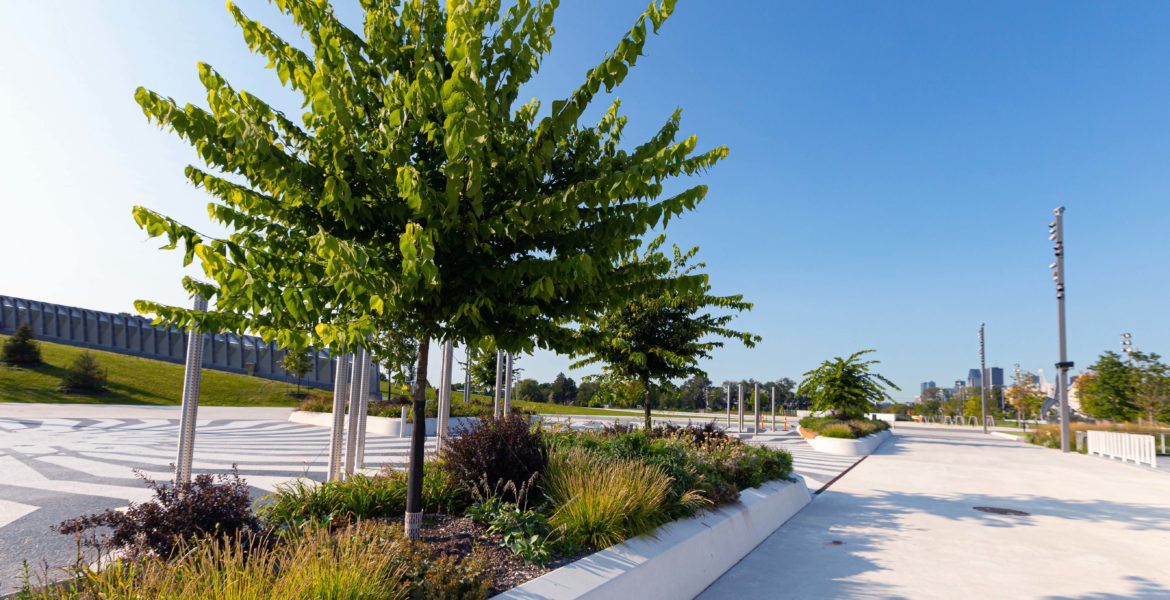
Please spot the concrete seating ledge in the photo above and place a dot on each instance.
(679, 559)
(376, 425)
(845, 447)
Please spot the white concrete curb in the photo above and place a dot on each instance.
(1007, 436)
(681, 559)
(375, 425)
(845, 447)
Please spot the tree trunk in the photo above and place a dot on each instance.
(646, 403)
(418, 439)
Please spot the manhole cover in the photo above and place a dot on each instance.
(995, 510)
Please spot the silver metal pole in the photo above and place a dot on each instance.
(756, 408)
(1056, 234)
(355, 395)
(983, 378)
(337, 432)
(444, 412)
(508, 387)
(363, 412)
(773, 408)
(467, 376)
(496, 389)
(727, 391)
(741, 407)
(192, 376)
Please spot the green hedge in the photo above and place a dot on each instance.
(836, 428)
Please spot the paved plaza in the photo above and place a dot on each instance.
(903, 524)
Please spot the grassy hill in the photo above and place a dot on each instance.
(135, 380)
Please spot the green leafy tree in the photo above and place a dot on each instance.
(1151, 384)
(415, 193)
(528, 390)
(1109, 392)
(1024, 395)
(21, 349)
(587, 393)
(693, 393)
(563, 390)
(297, 364)
(664, 333)
(846, 387)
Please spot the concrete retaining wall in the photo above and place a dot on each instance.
(844, 447)
(681, 558)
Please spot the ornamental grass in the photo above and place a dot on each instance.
(601, 501)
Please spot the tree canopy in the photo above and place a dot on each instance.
(663, 333)
(416, 193)
(846, 387)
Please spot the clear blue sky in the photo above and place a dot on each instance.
(893, 166)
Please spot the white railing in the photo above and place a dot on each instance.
(1124, 446)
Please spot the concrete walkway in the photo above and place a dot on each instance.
(902, 524)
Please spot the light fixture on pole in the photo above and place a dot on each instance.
(1056, 234)
(1127, 343)
(982, 378)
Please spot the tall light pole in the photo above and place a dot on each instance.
(467, 376)
(982, 378)
(727, 391)
(756, 408)
(741, 407)
(192, 376)
(1056, 234)
(496, 389)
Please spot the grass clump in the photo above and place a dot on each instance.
(850, 429)
(600, 501)
(360, 561)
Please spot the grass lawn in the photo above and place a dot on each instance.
(540, 408)
(134, 380)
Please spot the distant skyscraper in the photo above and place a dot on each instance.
(974, 379)
(924, 385)
(995, 376)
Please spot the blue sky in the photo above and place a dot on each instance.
(893, 166)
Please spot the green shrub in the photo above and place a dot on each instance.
(301, 503)
(84, 376)
(21, 349)
(598, 501)
(524, 531)
(850, 429)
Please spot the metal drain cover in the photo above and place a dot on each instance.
(995, 510)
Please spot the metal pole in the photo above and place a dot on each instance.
(363, 412)
(192, 376)
(983, 378)
(1056, 234)
(741, 407)
(444, 415)
(773, 408)
(337, 432)
(755, 408)
(440, 396)
(355, 394)
(727, 390)
(496, 389)
(508, 386)
(467, 376)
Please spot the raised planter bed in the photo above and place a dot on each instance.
(679, 559)
(390, 426)
(845, 447)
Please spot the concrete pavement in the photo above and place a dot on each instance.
(903, 524)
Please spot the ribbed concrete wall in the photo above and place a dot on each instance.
(134, 335)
